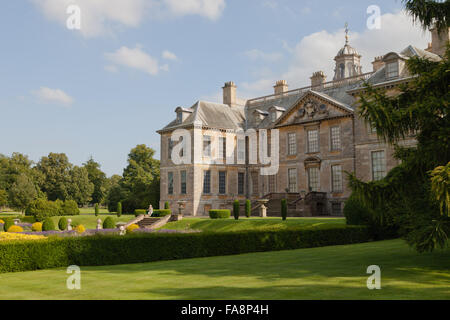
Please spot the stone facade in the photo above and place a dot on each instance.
(320, 138)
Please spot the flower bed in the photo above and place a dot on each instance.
(8, 236)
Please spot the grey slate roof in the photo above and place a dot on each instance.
(213, 115)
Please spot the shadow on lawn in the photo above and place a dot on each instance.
(400, 266)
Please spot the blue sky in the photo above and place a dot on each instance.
(102, 90)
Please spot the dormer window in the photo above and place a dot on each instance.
(392, 70)
(273, 116)
(179, 117)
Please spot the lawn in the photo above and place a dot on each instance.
(337, 272)
(249, 224)
(90, 221)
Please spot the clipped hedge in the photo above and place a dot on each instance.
(147, 247)
(161, 213)
(139, 212)
(42, 208)
(219, 214)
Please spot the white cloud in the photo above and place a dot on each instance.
(256, 54)
(111, 68)
(169, 55)
(270, 4)
(57, 96)
(165, 67)
(317, 51)
(103, 17)
(134, 58)
(211, 9)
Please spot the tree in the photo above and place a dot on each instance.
(248, 208)
(80, 188)
(430, 13)
(420, 108)
(22, 192)
(56, 172)
(284, 209)
(236, 207)
(140, 183)
(115, 193)
(440, 188)
(98, 178)
(3, 198)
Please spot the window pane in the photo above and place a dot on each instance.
(292, 144)
(169, 149)
(335, 138)
(241, 182)
(313, 141)
(222, 182)
(222, 148)
(392, 70)
(207, 182)
(292, 179)
(241, 150)
(378, 165)
(255, 185)
(272, 184)
(170, 183)
(336, 175)
(207, 146)
(313, 179)
(183, 182)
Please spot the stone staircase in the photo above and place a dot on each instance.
(147, 222)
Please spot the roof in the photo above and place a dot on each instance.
(212, 115)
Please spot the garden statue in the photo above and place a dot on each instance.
(122, 230)
(99, 224)
(69, 224)
(150, 210)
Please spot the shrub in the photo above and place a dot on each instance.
(119, 209)
(248, 208)
(63, 223)
(138, 247)
(15, 229)
(139, 212)
(37, 227)
(97, 210)
(2, 222)
(8, 223)
(42, 208)
(219, 214)
(80, 229)
(132, 227)
(70, 208)
(109, 223)
(355, 212)
(236, 207)
(284, 209)
(48, 225)
(166, 205)
(161, 212)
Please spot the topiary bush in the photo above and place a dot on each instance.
(284, 209)
(37, 227)
(139, 212)
(15, 229)
(70, 208)
(166, 205)
(161, 213)
(97, 210)
(48, 225)
(219, 214)
(63, 223)
(80, 229)
(132, 227)
(8, 223)
(119, 209)
(109, 223)
(236, 207)
(248, 208)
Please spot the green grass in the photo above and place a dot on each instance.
(90, 221)
(337, 272)
(249, 224)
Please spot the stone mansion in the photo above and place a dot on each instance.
(321, 137)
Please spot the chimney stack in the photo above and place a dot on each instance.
(318, 79)
(229, 94)
(377, 63)
(439, 41)
(281, 86)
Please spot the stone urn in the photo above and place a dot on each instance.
(263, 207)
(181, 206)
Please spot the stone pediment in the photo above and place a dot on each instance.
(314, 106)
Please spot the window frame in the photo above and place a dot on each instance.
(241, 175)
(334, 138)
(292, 145)
(292, 185)
(337, 186)
(317, 182)
(376, 176)
(183, 184)
(222, 188)
(309, 142)
(207, 182)
(170, 183)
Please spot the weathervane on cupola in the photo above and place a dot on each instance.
(348, 63)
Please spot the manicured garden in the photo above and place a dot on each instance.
(337, 272)
(224, 225)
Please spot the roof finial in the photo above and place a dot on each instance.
(346, 33)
